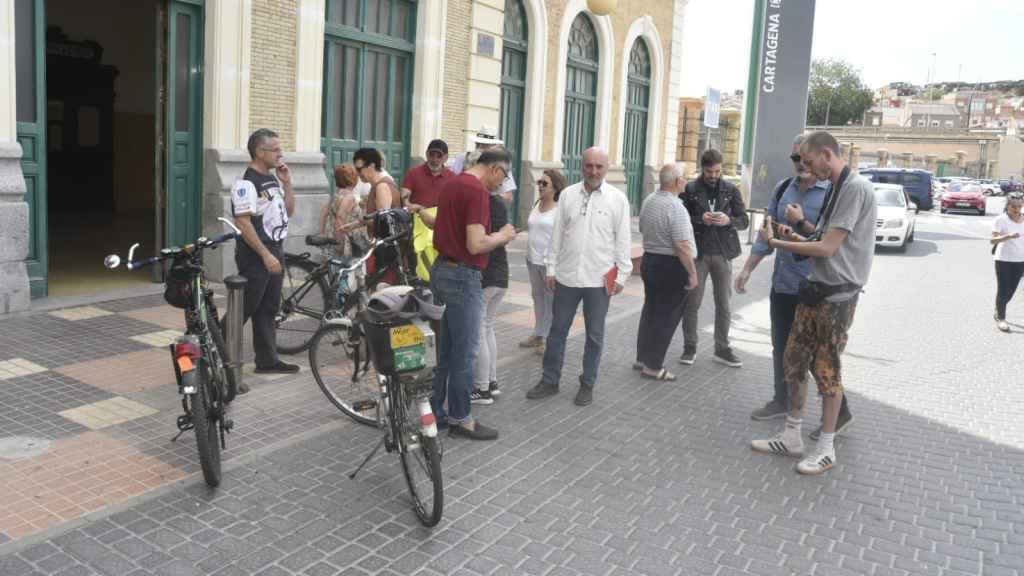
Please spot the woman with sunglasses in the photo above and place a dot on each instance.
(541, 224)
(1008, 248)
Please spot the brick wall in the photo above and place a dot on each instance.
(456, 70)
(272, 78)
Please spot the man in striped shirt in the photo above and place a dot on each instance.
(667, 270)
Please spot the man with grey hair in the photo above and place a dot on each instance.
(667, 270)
(798, 201)
(589, 261)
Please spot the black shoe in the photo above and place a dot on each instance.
(689, 356)
(493, 389)
(728, 358)
(243, 388)
(584, 396)
(478, 396)
(479, 432)
(541, 390)
(279, 368)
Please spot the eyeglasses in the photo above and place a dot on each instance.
(542, 183)
(794, 157)
(272, 150)
(504, 171)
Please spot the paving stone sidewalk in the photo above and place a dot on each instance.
(654, 478)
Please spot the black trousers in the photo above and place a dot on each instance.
(783, 312)
(664, 294)
(1008, 275)
(262, 300)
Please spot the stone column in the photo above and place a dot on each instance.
(961, 161)
(883, 157)
(14, 231)
(309, 75)
(930, 163)
(907, 159)
(855, 155)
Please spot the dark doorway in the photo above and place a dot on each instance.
(101, 82)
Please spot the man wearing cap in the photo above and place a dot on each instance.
(486, 138)
(422, 183)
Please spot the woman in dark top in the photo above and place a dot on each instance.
(495, 282)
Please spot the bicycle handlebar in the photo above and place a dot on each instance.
(113, 261)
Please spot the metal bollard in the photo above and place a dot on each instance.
(753, 226)
(233, 324)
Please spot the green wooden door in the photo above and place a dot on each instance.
(368, 65)
(634, 142)
(184, 122)
(513, 90)
(30, 71)
(580, 96)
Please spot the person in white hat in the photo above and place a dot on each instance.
(486, 137)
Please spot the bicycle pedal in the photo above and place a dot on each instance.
(364, 405)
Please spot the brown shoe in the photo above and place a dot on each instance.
(532, 342)
(539, 350)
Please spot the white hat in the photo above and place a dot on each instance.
(488, 135)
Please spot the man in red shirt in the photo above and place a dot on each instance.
(462, 242)
(422, 184)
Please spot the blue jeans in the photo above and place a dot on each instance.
(458, 288)
(595, 308)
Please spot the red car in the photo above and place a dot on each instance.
(968, 197)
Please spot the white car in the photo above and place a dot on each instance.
(897, 215)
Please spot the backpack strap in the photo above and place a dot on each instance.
(782, 189)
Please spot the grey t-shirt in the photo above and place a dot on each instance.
(854, 212)
(663, 222)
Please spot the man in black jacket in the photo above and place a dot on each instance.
(717, 211)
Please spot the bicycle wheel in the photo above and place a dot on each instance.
(421, 461)
(205, 425)
(219, 360)
(331, 361)
(304, 299)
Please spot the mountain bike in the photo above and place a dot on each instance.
(199, 357)
(310, 287)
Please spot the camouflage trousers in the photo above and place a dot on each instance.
(815, 344)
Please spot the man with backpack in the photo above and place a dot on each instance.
(716, 211)
(798, 201)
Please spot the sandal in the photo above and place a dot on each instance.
(663, 375)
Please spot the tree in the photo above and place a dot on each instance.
(837, 95)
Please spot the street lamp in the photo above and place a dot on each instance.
(832, 84)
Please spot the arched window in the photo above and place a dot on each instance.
(513, 87)
(580, 95)
(638, 96)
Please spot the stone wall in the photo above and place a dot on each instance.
(14, 288)
(272, 76)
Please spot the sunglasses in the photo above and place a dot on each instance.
(794, 157)
(542, 184)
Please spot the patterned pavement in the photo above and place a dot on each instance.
(654, 478)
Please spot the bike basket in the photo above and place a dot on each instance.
(178, 287)
(397, 347)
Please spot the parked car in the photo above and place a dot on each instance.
(1011, 185)
(917, 183)
(964, 198)
(897, 216)
(990, 188)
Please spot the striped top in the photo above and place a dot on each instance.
(663, 222)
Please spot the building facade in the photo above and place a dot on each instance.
(128, 122)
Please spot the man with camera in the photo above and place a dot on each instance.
(841, 250)
(798, 200)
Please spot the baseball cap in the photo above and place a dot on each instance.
(439, 145)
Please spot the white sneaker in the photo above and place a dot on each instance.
(776, 445)
(1003, 325)
(816, 463)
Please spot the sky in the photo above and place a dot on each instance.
(887, 40)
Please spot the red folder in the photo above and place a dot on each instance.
(609, 279)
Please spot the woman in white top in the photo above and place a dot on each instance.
(541, 226)
(1008, 247)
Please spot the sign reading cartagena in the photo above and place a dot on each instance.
(771, 45)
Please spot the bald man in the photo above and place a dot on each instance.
(590, 245)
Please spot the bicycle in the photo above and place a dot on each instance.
(306, 297)
(205, 382)
(402, 348)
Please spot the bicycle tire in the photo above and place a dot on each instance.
(332, 365)
(205, 425)
(230, 386)
(419, 455)
(302, 306)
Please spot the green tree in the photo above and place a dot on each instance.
(837, 95)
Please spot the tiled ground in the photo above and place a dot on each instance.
(96, 380)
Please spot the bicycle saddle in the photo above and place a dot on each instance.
(319, 241)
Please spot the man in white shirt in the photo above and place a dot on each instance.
(589, 261)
